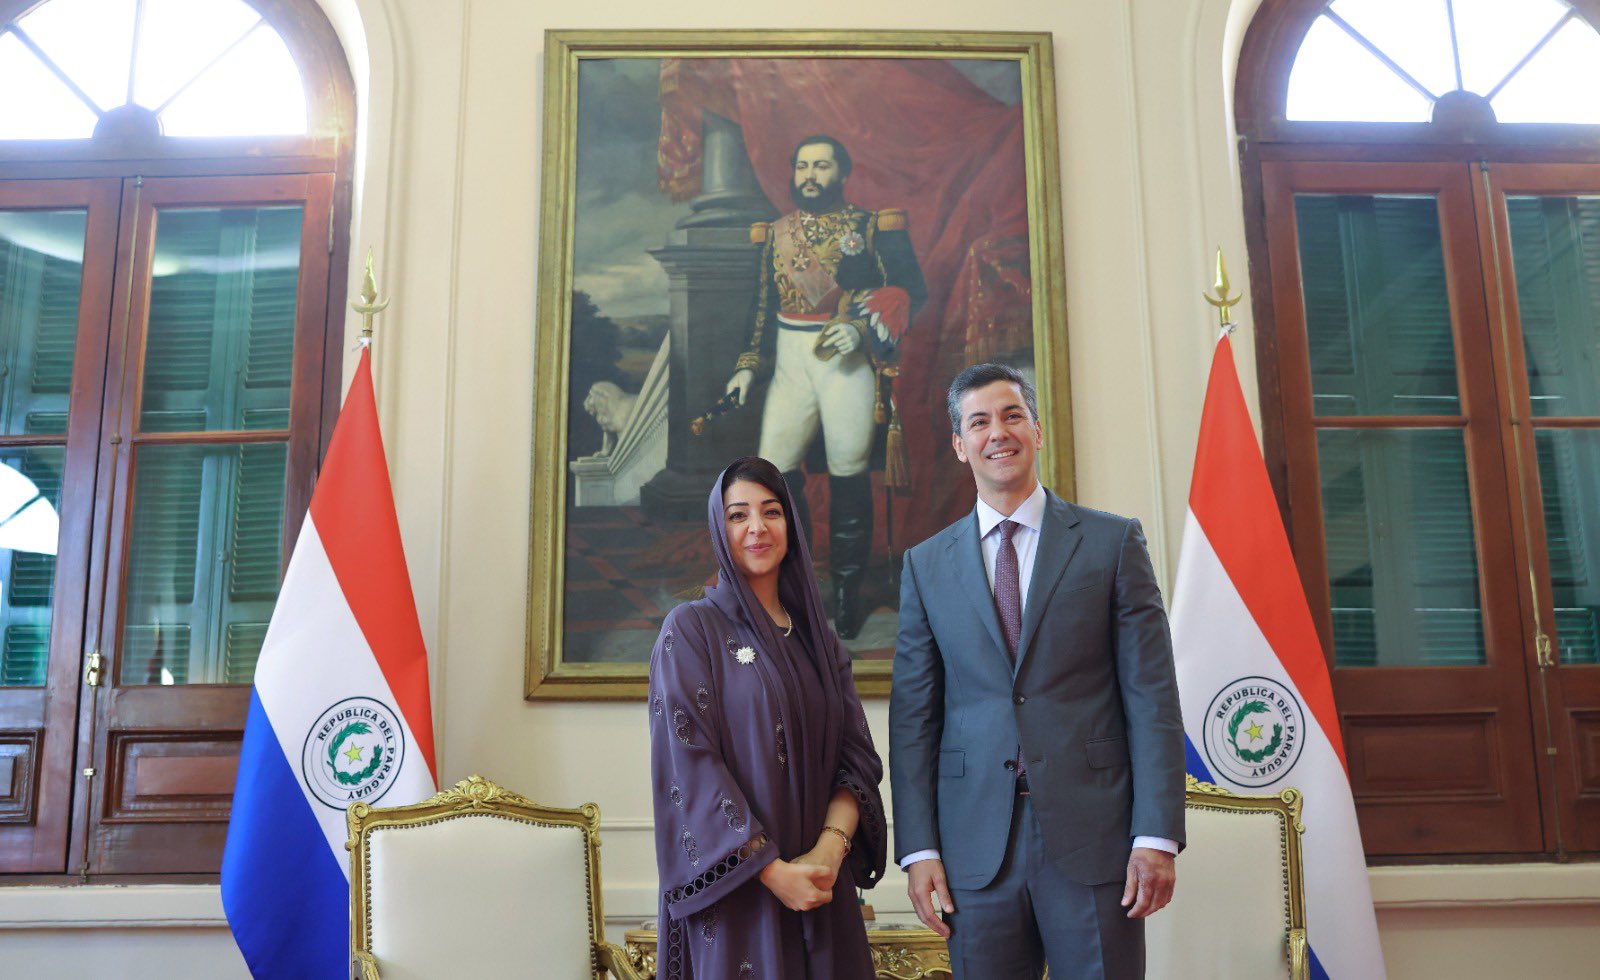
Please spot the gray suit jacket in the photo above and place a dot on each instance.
(1093, 701)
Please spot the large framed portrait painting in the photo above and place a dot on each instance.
(784, 244)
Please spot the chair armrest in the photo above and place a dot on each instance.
(615, 959)
(363, 965)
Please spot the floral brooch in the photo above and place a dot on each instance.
(745, 655)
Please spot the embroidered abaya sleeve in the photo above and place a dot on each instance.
(708, 842)
(860, 771)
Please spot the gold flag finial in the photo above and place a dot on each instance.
(1220, 299)
(368, 305)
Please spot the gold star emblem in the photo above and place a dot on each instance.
(353, 753)
(1254, 731)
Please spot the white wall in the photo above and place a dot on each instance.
(1140, 229)
(451, 93)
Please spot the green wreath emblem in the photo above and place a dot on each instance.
(353, 778)
(1246, 710)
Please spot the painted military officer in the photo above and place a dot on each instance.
(839, 285)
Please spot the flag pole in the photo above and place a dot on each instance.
(344, 643)
(1241, 628)
(1218, 297)
(368, 305)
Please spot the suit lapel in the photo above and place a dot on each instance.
(966, 554)
(1058, 542)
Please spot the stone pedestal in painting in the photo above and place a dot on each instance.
(711, 274)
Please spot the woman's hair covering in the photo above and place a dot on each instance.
(850, 760)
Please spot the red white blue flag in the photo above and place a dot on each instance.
(1258, 705)
(339, 714)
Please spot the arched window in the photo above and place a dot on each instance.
(1381, 61)
(177, 67)
(1423, 204)
(174, 205)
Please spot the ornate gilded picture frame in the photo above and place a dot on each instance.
(715, 205)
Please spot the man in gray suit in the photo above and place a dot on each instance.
(1035, 740)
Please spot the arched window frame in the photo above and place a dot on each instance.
(324, 72)
(1451, 157)
(205, 719)
(1267, 57)
(328, 146)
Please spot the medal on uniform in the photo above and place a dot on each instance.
(802, 246)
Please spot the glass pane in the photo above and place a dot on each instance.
(30, 490)
(255, 90)
(1335, 78)
(220, 344)
(1415, 36)
(41, 275)
(1559, 84)
(50, 112)
(179, 38)
(203, 562)
(1402, 563)
(96, 59)
(1377, 309)
(1555, 249)
(1569, 481)
(1494, 35)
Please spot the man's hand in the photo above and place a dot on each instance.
(843, 336)
(1152, 874)
(801, 887)
(741, 381)
(930, 894)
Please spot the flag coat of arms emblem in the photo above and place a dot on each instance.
(1258, 708)
(339, 713)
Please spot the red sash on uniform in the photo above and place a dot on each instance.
(810, 276)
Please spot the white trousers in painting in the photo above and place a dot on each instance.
(806, 390)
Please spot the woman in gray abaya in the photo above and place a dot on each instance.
(767, 810)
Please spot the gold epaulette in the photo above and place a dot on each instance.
(758, 232)
(892, 219)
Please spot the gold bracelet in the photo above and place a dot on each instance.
(842, 836)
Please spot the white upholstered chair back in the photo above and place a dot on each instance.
(477, 881)
(1239, 909)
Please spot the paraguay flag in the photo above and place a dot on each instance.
(339, 714)
(1258, 706)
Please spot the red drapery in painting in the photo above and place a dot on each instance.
(921, 137)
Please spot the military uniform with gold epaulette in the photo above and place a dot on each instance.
(847, 265)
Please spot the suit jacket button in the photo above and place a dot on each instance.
(1019, 699)
(1010, 764)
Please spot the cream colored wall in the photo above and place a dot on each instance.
(1140, 226)
(1150, 187)
(450, 98)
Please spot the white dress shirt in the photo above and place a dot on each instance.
(1030, 515)
(1025, 539)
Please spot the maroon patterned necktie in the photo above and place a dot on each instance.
(1008, 589)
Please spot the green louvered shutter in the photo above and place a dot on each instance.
(219, 357)
(1556, 252)
(39, 290)
(1402, 560)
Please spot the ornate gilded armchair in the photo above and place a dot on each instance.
(1238, 912)
(1239, 909)
(478, 881)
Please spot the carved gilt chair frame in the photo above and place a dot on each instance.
(474, 796)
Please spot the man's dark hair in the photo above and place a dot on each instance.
(980, 375)
(841, 156)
